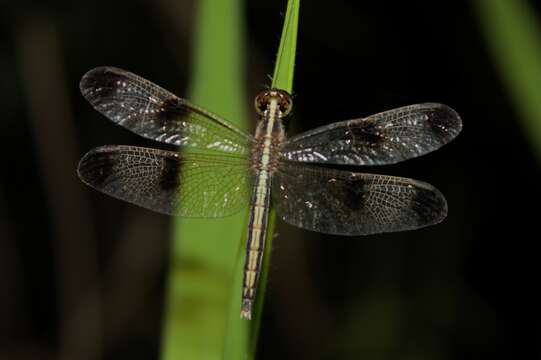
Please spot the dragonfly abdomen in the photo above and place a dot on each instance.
(269, 136)
(255, 244)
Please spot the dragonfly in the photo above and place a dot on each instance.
(220, 170)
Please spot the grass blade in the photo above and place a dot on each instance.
(282, 79)
(285, 60)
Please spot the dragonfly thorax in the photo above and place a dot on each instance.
(270, 134)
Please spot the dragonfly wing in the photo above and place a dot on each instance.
(385, 138)
(154, 113)
(349, 203)
(190, 185)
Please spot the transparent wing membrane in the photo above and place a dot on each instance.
(191, 185)
(347, 203)
(154, 113)
(216, 180)
(385, 138)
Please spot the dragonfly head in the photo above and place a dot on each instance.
(264, 98)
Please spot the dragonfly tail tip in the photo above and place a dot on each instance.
(246, 310)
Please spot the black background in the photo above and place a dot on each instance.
(465, 289)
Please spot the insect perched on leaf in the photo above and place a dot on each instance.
(228, 170)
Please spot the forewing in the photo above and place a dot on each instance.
(385, 138)
(154, 113)
(348, 203)
(193, 185)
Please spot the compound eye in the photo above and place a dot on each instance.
(261, 102)
(286, 104)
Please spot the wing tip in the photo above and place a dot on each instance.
(429, 204)
(95, 166)
(443, 121)
(100, 79)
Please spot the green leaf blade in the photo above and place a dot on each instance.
(202, 319)
(285, 60)
(204, 252)
(282, 79)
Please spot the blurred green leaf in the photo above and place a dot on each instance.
(202, 316)
(513, 33)
(204, 274)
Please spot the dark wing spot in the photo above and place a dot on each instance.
(429, 205)
(170, 178)
(368, 133)
(444, 122)
(99, 83)
(95, 168)
(170, 109)
(353, 193)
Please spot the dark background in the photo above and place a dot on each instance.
(465, 289)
